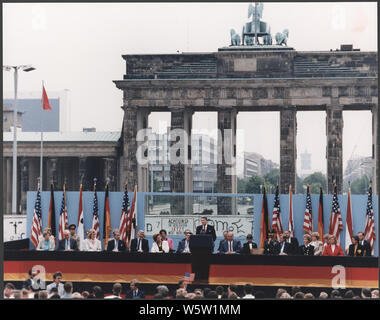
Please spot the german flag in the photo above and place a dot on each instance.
(320, 214)
(264, 226)
(51, 221)
(107, 219)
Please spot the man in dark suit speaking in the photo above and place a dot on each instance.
(205, 228)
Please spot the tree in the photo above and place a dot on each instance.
(360, 186)
(272, 177)
(299, 185)
(253, 184)
(241, 183)
(315, 180)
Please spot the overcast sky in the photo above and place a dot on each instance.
(79, 47)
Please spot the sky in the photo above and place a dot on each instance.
(78, 47)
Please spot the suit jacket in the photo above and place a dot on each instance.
(120, 246)
(209, 230)
(327, 251)
(366, 247)
(181, 246)
(27, 284)
(236, 246)
(309, 251)
(140, 295)
(220, 245)
(359, 250)
(164, 245)
(294, 246)
(270, 246)
(246, 250)
(144, 245)
(62, 243)
(287, 248)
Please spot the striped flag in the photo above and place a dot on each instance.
(63, 222)
(369, 232)
(189, 277)
(291, 222)
(80, 228)
(336, 224)
(320, 213)
(95, 214)
(131, 216)
(308, 219)
(107, 219)
(124, 215)
(264, 226)
(349, 229)
(37, 220)
(276, 218)
(51, 221)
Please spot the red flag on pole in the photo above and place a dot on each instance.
(349, 228)
(45, 100)
(291, 222)
(264, 225)
(320, 214)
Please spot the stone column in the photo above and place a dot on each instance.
(226, 166)
(181, 175)
(288, 148)
(24, 163)
(142, 168)
(375, 150)
(51, 173)
(110, 172)
(334, 154)
(9, 186)
(82, 173)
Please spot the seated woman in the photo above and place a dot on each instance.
(317, 244)
(165, 238)
(332, 249)
(46, 243)
(91, 243)
(306, 249)
(51, 237)
(159, 245)
(355, 249)
(249, 245)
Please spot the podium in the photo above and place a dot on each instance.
(201, 248)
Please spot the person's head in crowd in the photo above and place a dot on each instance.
(233, 296)
(361, 236)
(323, 295)
(72, 228)
(199, 292)
(259, 294)
(306, 239)
(180, 293)
(91, 234)
(85, 294)
(220, 292)
(116, 234)
(24, 294)
(98, 292)
(309, 296)
(141, 234)
(42, 295)
(188, 234)
(232, 288)
(206, 291)
(163, 234)
(299, 296)
(282, 237)
(356, 297)
(326, 238)
(225, 234)
(134, 285)
(280, 291)
(230, 236)
(66, 234)
(116, 289)
(35, 296)
(163, 291)
(286, 234)
(294, 290)
(8, 290)
(157, 238)
(248, 289)
(32, 273)
(53, 291)
(204, 220)
(355, 240)
(17, 294)
(46, 236)
(68, 287)
(77, 295)
(249, 238)
(375, 294)
(335, 293)
(366, 293)
(348, 294)
(271, 235)
(212, 295)
(191, 296)
(182, 284)
(57, 277)
(285, 295)
(332, 239)
(48, 230)
(315, 236)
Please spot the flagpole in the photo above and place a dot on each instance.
(41, 154)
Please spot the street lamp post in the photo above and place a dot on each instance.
(25, 68)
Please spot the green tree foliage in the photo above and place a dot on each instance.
(253, 184)
(315, 180)
(360, 186)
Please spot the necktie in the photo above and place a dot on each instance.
(204, 228)
(67, 244)
(116, 244)
(231, 246)
(138, 244)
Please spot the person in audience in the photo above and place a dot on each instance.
(205, 228)
(91, 243)
(31, 283)
(57, 278)
(96, 293)
(54, 294)
(42, 295)
(199, 293)
(285, 295)
(67, 244)
(46, 243)
(116, 244)
(294, 246)
(259, 294)
(76, 295)
(323, 295)
(164, 237)
(233, 296)
(135, 292)
(68, 290)
(306, 249)
(349, 295)
(249, 245)
(221, 241)
(309, 296)
(325, 240)
(211, 295)
(182, 284)
(180, 294)
(366, 293)
(232, 288)
(355, 249)
(73, 235)
(183, 245)
(333, 249)
(316, 243)
(85, 294)
(282, 247)
(230, 246)
(270, 243)
(8, 290)
(248, 289)
(116, 291)
(365, 245)
(375, 294)
(159, 246)
(25, 294)
(163, 291)
(335, 294)
(299, 296)
(139, 244)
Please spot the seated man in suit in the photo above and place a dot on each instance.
(249, 245)
(365, 244)
(306, 249)
(183, 245)
(116, 244)
(270, 243)
(67, 243)
(230, 246)
(139, 244)
(282, 247)
(294, 246)
(221, 241)
(205, 228)
(135, 292)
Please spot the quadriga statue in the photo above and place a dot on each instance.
(235, 38)
(282, 37)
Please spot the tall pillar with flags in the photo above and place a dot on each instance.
(308, 219)
(336, 224)
(320, 213)
(130, 229)
(370, 232)
(276, 218)
(36, 231)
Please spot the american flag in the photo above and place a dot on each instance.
(369, 232)
(308, 219)
(336, 224)
(37, 220)
(276, 218)
(124, 215)
(95, 214)
(291, 222)
(63, 223)
(189, 277)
